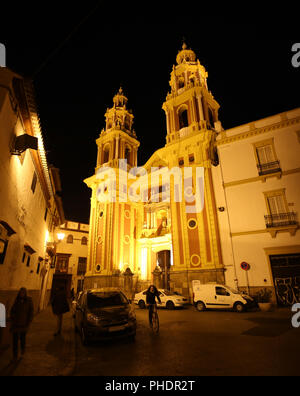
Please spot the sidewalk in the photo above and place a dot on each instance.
(46, 355)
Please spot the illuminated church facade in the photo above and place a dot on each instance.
(158, 238)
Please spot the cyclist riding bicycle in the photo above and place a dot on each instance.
(151, 293)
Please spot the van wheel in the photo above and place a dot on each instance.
(142, 304)
(170, 305)
(200, 306)
(239, 307)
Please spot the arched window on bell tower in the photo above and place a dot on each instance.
(181, 82)
(183, 118)
(211, 117)
(106, 154)
(127, 155)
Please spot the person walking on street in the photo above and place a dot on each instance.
(60, 306)
(21, 315)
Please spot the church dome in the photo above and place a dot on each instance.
(185, 54)
(120, 99)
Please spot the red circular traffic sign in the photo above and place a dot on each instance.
(245, 266)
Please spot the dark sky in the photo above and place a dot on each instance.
(80, 55)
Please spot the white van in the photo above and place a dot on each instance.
(220, 297)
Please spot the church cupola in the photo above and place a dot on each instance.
(190, 107)
(119, 117)
(185, 55)
(120, 99)
(118, 139)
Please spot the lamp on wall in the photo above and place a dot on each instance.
(24, 142)
(60, 237)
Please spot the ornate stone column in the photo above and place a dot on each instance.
(157, 278)
(128, 283)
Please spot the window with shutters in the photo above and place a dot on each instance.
(33, 183)
(278, 211)
(82, 263)
(267, 161)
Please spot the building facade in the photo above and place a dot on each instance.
(258, 185)
(30, 203)
(181, 217)
(71, 255)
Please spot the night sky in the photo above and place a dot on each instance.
(79, 56)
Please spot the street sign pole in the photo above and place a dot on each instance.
(248, 287)
(246, 267)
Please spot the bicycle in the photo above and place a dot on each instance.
(155, 320)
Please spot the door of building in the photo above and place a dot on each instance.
(164, 261)
(286, 275)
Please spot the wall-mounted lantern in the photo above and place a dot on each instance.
(24, 142)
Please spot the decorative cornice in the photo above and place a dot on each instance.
(261, 178)
(258, 131)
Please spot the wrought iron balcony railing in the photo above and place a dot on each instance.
(270, 167)
(281, 219)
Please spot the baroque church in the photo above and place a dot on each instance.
(160, 239)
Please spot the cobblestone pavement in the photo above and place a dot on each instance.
(45, 355)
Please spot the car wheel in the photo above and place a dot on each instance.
(200, 306)
(239, 307)
(170, 305)
(142, 304)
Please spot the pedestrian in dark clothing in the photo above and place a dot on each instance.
(60, 306)
(21, 315)
(151, 293)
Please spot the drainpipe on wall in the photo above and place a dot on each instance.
(228, 218)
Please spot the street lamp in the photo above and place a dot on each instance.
(60, 237)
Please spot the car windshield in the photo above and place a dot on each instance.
(105, 299)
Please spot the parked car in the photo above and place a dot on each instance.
(169, 299)
(220, 297)
(104, 314)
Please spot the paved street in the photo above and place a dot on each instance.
(189, 343)
(194, 343)
(46, 355)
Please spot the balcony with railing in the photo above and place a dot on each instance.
(282, 222)
(269, 168)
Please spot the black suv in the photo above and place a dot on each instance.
(104, 314)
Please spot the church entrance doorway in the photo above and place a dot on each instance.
(164, 262)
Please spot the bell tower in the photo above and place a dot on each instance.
(192, 122)
(118, 139)
(190, 107)
(113, 218)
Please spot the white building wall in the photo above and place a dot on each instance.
(20, 208)
(243, 195)
(75, 249)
